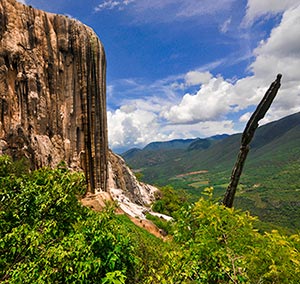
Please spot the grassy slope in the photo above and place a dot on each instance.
(269, 186)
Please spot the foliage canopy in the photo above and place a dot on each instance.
(47, 236)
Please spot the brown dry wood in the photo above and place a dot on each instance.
(247, 136)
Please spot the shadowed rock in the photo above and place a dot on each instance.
(52, 92)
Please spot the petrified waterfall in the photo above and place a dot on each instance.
(52, 92)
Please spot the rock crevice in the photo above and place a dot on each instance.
(52, 92)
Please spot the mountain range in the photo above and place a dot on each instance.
(270, 183)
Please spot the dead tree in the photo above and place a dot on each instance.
(247, 136)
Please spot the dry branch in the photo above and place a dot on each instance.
(247, 136)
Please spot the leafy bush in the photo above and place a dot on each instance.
(48, 237)
(169, 201)
(166, 226)
(220, 245)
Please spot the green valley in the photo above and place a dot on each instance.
(270, 183)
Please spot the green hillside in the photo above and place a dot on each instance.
(47, 236)
(173, 144)
(269, 186)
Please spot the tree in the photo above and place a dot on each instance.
(247, 136)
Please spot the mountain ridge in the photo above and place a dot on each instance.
(265, 134)
(172, 144)
(269, 184)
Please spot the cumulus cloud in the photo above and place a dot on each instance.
(210, 103)
(193, 78)
(141, 121)
(209, 110)
(280, 53)
(129, 127)
(258, 8)
(281, 48)
(216, 99)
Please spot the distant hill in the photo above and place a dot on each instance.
(269, 186)
(183, 144)
(131, 153)
(167, 145)
(201, 144)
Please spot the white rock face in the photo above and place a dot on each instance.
(133, 197)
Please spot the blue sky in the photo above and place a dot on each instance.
(190, 68)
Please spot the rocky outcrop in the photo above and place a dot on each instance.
(52, 92)
(134, 197)
(53, 105)
(121, 179)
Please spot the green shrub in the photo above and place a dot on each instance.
(47, 236)
(166, 226)
(220, 245)
(169, 201)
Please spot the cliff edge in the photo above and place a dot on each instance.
(53, 103)
(52, 92)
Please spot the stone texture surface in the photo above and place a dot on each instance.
(123, 184)
(53, 104)
(52, 92)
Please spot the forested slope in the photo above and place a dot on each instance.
(47, 236)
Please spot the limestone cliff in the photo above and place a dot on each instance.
(123, 184)
(53, 103)
(52, 92)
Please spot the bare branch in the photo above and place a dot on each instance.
(247, 136)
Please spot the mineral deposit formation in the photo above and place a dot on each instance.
(52, 92)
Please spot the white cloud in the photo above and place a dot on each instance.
(225, 26)
(167, 10)
(279, 54)
(210, 103)
(281, 51)
(112, 4)
(207, 112)
(129, 127)
(191, 8)
(22, 1)
(108, 4)
(132, 127)
(193, 78)
(258, 8)
(200, 129)
(245, 117)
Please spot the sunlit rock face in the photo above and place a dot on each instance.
(124, 185)
(133, 197)
(53, 104)
(52, 92)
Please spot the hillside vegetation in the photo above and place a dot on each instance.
(47, 236)
(269, 186)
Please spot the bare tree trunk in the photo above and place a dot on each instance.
(247, 136)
